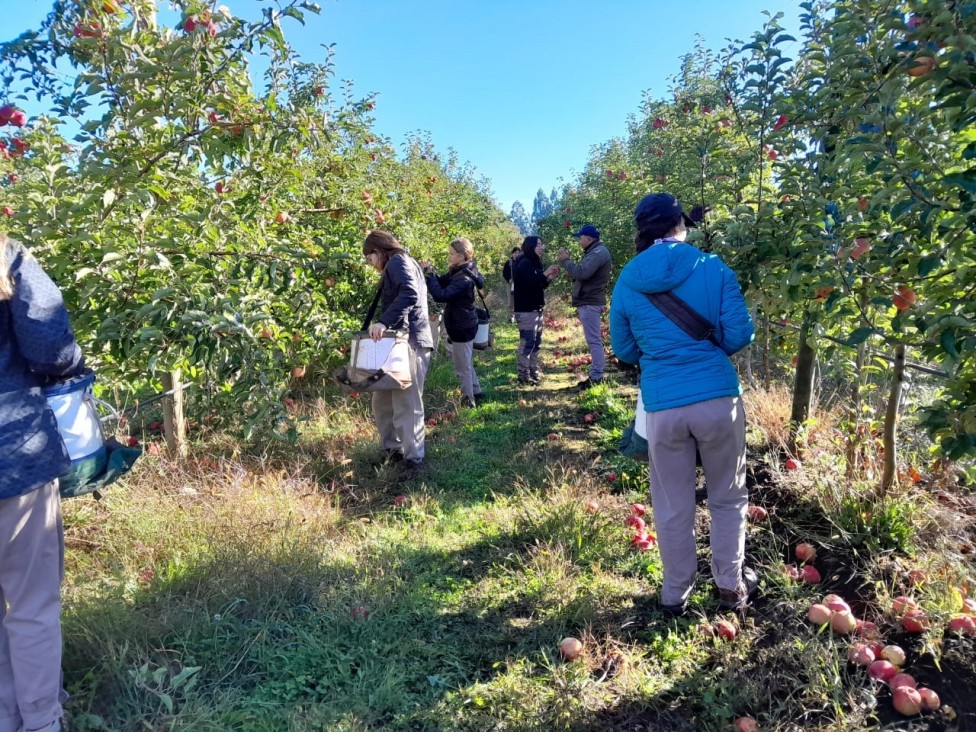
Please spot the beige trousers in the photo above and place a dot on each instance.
(31, 570)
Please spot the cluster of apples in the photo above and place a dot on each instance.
(204, 22)
(642, 540)
(807, 573)
(10, 115)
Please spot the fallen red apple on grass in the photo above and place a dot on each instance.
(570, 648)
(914, 621)
(930, 700)
(907, 701)
(810, 575)
(592, 506)
(611, 477)
(894, 654)
(882, 671)
(636, 522)
(747, 724)
(725, 629)
(900, 680)
(861, 655)
(638, 509)
(805, 552)
(963, 624)
(792, 463)
(400, 500)
(757, 514)
(843, 622)
(819, 614)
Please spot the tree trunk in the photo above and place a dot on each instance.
(891, 422)
(806, 358)
(174, 425)
(856, 409)
(750, 377)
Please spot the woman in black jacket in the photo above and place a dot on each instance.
(531, 281)
(456, 288)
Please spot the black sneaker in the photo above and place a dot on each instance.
(674, 611)
(413, 468)
(393, 456)
(525, 380)
(468, 402)
(535, 379)
(739, 599)
(588, 384)
(480, 397)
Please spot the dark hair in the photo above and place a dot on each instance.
(381, 241)
(647, 236)
(529, 244)
(515, 250)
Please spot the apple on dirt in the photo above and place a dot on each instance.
(861, 654)
(805, 552)
(592, 506)
(810, 575)
(757, 514)
(639, 509)
(906, 700)
(894, 654)
(882, 671)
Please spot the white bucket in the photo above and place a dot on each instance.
(73, 404)
(481, 338)
(640, 416)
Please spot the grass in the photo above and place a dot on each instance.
(310, 588)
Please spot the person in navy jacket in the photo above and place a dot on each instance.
(692, 397)
(456, 288)
(36, 346)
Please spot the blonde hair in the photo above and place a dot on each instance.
(6, 283)
(464, 247)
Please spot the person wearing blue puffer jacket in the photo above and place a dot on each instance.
(692, 397)
(36, 344)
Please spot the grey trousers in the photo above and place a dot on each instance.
(462, 354)
(530, 341)
(589, 317)
(31, 570)
(399, 414)
(718, 427)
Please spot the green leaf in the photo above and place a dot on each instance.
(966, 180)
(927, 265)
(860, 335)
(948, 341)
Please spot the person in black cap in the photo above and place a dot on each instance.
(590, 278)
(691, 394)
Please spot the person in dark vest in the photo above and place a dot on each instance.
(399, 414)
(692, 397)
(456, 288)
(36, 346)
(590, 276)
(531, 280)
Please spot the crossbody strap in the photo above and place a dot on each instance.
(684, 316)
(372, 308)
(476, 289)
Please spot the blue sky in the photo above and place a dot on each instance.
(521, 89)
